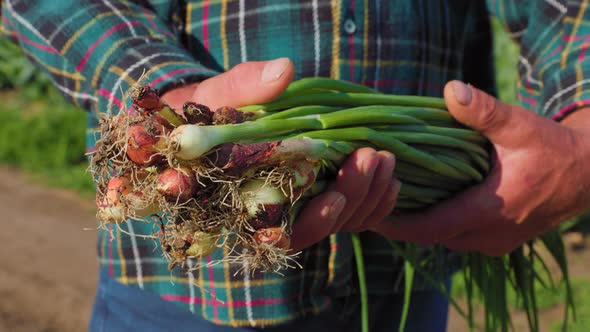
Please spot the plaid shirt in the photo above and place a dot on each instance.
(95, 49)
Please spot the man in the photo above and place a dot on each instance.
(96, 49)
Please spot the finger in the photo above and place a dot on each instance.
(245, 84)
(317, 220)
(502, 123)
(475, 207)
(380, 184)
(353, 181)
(385, 208)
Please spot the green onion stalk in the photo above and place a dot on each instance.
(240, 176)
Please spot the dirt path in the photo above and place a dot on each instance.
(48, 268)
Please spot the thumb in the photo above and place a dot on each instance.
(245, 84)
(501, 123)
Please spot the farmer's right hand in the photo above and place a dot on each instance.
(363, 193)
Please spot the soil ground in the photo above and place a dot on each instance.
(48, 271)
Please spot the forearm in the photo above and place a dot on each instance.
(95, 52)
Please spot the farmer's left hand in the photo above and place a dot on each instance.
(540, 177)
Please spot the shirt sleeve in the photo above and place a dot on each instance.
(554, 35)
(95, 50)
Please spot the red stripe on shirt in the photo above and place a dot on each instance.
(150, 17)
(108, 95)
(101, 39)
(173, 73)
(33, 43)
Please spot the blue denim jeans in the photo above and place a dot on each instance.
(122, 308)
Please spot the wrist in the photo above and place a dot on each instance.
(579, 124)
(577, 120)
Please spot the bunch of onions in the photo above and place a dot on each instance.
(237, 177)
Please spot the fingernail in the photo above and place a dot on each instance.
(368, 165)
(274, 69)
(462, 93)
(334, 209)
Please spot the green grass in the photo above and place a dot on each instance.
(39, 131)
(506, 58)
(547, 297)
(581, 289)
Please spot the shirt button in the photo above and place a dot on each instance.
(349, 26)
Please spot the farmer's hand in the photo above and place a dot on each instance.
(245, 84)
(362, 195)
(260, 82)
(540, 177)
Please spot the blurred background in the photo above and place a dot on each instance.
(48, 271)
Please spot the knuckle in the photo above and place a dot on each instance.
(389, 159)
(240, 69)
(231, 80)
(387, 154)
(489, 111)
(365, 153)
(237, 77)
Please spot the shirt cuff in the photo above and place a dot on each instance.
(567, 92)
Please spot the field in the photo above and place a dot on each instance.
(49, 274)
